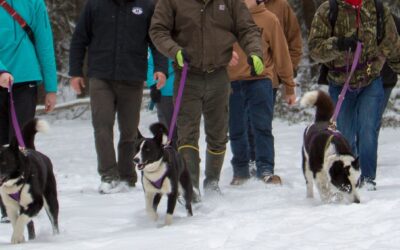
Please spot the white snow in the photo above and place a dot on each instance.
(253, 216)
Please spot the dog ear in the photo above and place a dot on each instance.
(139, 135)
(356, 163)
(160, 132)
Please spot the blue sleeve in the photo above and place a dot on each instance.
(2, 67)
(44, 46)
(150, 69)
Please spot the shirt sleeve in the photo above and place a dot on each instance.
(44, 47)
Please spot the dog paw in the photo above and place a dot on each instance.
(152, 215)
(17, 238)
(168, 219)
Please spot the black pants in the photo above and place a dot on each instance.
(109, 99)
(25, 100)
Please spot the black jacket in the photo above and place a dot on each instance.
(115, 34)
(389, 77)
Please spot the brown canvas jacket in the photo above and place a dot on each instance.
(276, 54)
(291, 28)
(205, 30)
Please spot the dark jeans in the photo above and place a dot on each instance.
(108, 99)
(386, 96)
(252, 99)
(165, 110)
(252, 147)
(358, 120)
(25, 100)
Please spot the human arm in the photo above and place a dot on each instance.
(281, 58)
(162, 24)
(44, 47)
(320, 42)
(293, 36)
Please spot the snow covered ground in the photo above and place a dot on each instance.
(253, 216)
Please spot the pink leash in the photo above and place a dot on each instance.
(357, 55)
(14, 119)
(177, 102)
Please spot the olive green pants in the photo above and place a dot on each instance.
(204, 94)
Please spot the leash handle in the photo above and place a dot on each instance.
(177, 102)
(357, 55)
(14, 119)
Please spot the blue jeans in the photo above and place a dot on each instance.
(250, 133)
(254, 99)
(386, 96)
(358, 120)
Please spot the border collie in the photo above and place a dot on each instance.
(163, 172)
(27, 183)
(327, 156)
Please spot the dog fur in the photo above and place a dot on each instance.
(28, 174)
(163, 172)
(327, 157)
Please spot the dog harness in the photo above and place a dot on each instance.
(158, 183)
(16, 196)
(314, 130)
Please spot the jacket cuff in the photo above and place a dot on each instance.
(4, 71)
(290, 88)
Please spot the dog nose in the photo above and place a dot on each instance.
(136, 160)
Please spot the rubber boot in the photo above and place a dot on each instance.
(192, 161)
(214, 162)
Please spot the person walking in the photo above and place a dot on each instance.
(114, 33)
(162, 98)
(201, 33)
(359, 116)
(26, 60)
(252, 96)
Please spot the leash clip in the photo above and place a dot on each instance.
(369, 69)
(332, 126)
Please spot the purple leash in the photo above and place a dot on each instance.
(177, 102)
(14, 119)
(357, 55)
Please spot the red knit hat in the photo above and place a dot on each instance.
(356, 3)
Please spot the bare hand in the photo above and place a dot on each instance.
(290, 99)
(50, 102)
(234, 60)
(77, 83)
(160, 78)
(6, 79)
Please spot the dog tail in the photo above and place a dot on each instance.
(159, 131)
(322, 101)
(29, 131)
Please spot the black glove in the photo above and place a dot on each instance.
(346, 43)
(155, 94)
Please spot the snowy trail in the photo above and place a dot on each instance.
(253, 216)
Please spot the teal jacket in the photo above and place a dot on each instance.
(168, 88)
(18, 55)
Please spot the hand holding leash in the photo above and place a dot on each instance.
(5, 79)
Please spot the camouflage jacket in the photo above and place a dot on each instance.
(323, 46)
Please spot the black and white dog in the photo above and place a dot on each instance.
(327, 156)
(163, 172)
(27, 183)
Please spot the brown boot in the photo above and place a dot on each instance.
(214, 162)
(272, 179)
(238, 181)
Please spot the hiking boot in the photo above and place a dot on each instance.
(192, 161)
(211, 187)
(214, 162)
(112, 187)
(4, 219)
(272, 179)
(252, 168)
(366, 183)
(238, 181)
